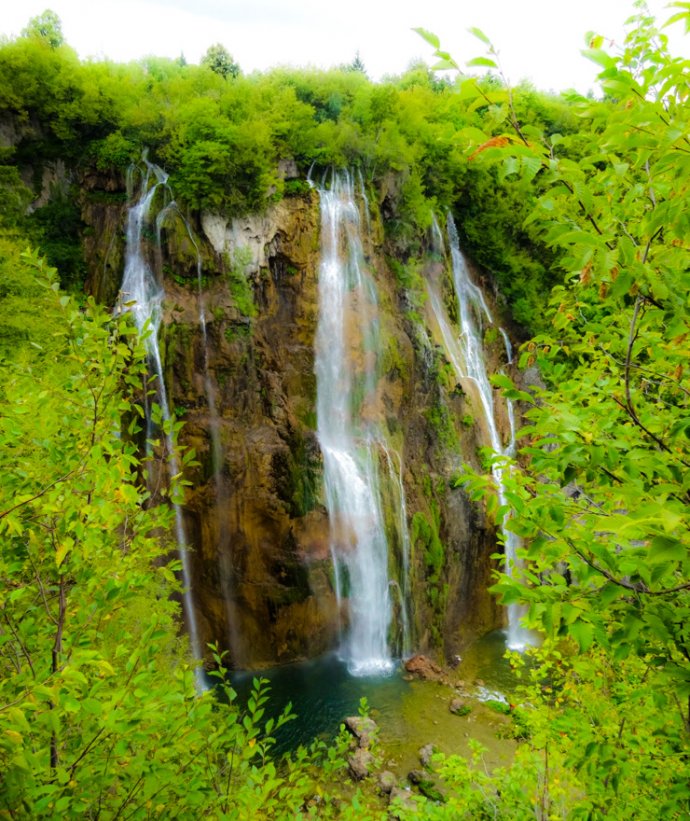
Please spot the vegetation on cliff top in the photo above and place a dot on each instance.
(220, 135)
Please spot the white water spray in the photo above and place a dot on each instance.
(142, 295)
(466, 355)
(346, 360)
(397, 490)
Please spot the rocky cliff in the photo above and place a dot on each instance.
(245, 387)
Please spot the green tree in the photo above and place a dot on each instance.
(357, 64)
(600, 494)
(47, 27)
(100, 712)
(219, 59)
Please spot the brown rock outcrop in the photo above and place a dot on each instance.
(254, 510)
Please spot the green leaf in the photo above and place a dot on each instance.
(479, 34)
(481, 61)
(444, 65)
(430, 38)
(583, 633)
(622, 284)
(600, 57)
(666, 549)
(531, 167)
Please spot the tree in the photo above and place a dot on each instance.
(356, 64)
(100, 713)
(46, 27)
(219, 59)
(600, 492)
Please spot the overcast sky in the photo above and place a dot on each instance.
(537, 39)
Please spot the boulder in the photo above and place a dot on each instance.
(364, 729)
(425, 754)
(402, 803)
(387, 782)
(423, 667)
(360, 763)
(425, 784)
(459, 707)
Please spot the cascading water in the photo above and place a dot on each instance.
(508, 346)
(395, 478)
(346, 362)
(142, 295)
(467, 358)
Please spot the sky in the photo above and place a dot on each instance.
(538, 40)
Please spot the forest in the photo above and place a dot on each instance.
(575, 214)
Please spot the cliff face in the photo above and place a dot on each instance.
(243, 382)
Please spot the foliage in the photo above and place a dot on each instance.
(221, 141)
(115, 152)
(27, 316)
(57, 226)
(47, 27)
(101, 715)
(425, 538)
(356, 65)
(14, 196)
(240, 286)
(582, 752)
(219, 60)
(600, 496)
(102, 712)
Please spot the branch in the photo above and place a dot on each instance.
(660, 376)
(588, 216)
(628, 364)
(39, 582)
(638, 587)
(38, 495)
(87, 750)
(21, 644)
(129, 797)
(56, 653)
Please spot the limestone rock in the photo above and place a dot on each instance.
(363, 728)
(425, 755)
(360, 763)
(387, 782)
(459, 707)
(425, 784)
(423, 667)
(254, 511)
(403, 799)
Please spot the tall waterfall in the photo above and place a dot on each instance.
(349, 435)
(466, 355)
(142, 295)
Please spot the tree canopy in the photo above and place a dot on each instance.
(47, 27)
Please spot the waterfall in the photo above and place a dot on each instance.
(395, 477)
(142, 295)
(466, 356)
(508, 346)
(349, 436)
(222, 499)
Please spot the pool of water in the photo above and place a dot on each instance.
(322, 693)
(410, 713)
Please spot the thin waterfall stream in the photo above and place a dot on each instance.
(466, 356)
(142, 295)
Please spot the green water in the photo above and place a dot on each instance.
(410, 713)
(322, 693)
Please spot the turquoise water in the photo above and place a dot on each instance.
(322, 693)
(410, 713)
